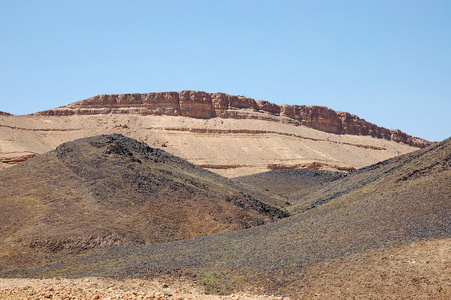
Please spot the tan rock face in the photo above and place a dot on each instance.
(204, 105)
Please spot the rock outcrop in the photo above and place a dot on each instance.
(197, 104)
(14, 158)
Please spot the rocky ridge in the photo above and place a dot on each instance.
(198, 104)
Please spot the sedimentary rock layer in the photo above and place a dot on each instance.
(197, 104)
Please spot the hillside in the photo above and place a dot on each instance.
(383, 231)
(230, 135)
(291, 182)
(389, 174)
(111, 190)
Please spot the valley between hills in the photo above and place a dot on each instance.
(190, 195)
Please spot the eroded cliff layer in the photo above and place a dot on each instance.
(197, 104)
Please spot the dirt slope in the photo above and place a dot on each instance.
(112, 190)
(390, 177)
(291, 182)
(386, 221)
(230, 147)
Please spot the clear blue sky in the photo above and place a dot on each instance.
(387, 61)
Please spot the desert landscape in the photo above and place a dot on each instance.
(230, 135)
(193, 195)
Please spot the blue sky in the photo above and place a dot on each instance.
(388, 62)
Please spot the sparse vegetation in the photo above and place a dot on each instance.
(350, 237)
(214, 283)
(111, 190)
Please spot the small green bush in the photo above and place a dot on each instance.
(215, 283)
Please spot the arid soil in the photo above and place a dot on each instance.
(100, 288)
(230, 147)
(112, 190)
(415, 271)
(381, 232)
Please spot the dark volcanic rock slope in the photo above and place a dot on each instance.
(291, 182)
(111, 190)
(397, 203)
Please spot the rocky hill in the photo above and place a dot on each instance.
(380, 232)
(197, 104)
(112, 190)
(230, 135)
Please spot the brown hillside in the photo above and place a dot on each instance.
(291, 182)
(233, 137)
(112, 190)
(432, 163)
(381, 232)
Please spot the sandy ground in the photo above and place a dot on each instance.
(230, 147)
(100, 288)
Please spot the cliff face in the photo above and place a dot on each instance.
(204, 105)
